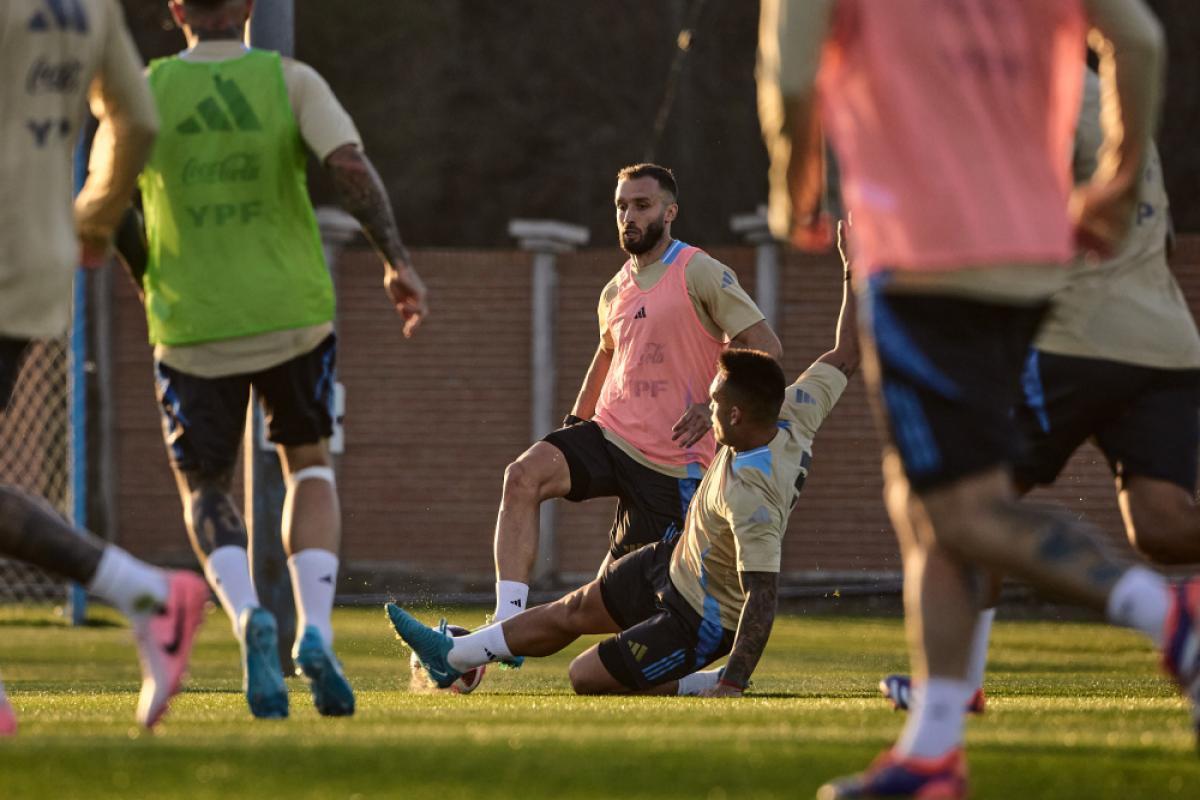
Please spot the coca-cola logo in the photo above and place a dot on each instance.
(236, 168)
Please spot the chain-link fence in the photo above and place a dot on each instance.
(35, 454)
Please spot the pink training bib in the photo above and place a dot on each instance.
(664, 361)
(953, 124)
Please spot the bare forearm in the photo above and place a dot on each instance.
(593, 382)
(759, 337)
(1129, 41)
(754, 627)
(361, 193)
(845, 353)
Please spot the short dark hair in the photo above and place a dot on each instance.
(664, 176)
(756, 382)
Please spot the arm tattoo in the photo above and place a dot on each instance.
(754, 628)
(360, 191)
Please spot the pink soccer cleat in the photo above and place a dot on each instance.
(1181, 643)
(8, 717)
(164, 643)
(890, 775)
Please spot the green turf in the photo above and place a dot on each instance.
(1076, 711)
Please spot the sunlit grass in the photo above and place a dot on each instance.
(1075, 711)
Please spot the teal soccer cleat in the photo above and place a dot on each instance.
(331, 692)
(431, 646)
(262, 677)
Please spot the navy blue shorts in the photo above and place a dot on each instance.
(1146, 421)
(949, 371)
(651, 506)
(204, 419)
(662, 637)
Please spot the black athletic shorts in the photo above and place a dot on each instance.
(949, 377)
(12, 355)
(1146, 421)
(651, 506)
(662, 637)
(204, 419)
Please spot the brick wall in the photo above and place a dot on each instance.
(431, 422)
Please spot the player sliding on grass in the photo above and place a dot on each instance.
(639, 430)
(51, 62)
(237, 294)
(1117, 360)
(953, 124)
(677, 607)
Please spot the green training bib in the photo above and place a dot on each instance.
(234, 248)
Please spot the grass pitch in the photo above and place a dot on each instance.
(1075, 711)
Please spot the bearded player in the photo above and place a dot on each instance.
(639, 429)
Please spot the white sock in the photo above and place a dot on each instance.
(484, 645)
(1140, 600)
(131, 585)
(512, 597)
(936, 718)
(697, 682)
(977, 663)
(314, 579)
(228, 573)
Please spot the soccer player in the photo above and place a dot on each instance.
(952, 124)
(639, 429)
(237, 294)
(677, 607)
(54, 57)
(1118, 361)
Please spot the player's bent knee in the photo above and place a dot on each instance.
(589, 676)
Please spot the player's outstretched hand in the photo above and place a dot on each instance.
(408, 294)
(692, 426)
(1101, 213)
(721, 690)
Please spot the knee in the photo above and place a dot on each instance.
(522, 481)
(582, 673)
(1173, 539)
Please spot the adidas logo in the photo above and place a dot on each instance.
(727, 280)
(516, 602)
(804, 398)
(63, 15)
(639, 650)
(326, 579)
(490, 655)
(641, 313)
(236, 114)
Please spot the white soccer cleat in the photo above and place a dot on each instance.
(164, 643)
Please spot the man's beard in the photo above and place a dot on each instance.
(650, 238)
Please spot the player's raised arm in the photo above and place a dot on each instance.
(791, 33)
(362, 195)
(845, 354)
(1129, 41)
(122, 102)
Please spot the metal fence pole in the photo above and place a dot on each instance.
(546, 239)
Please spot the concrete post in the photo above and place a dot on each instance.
(545, 239)
(752, 228)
